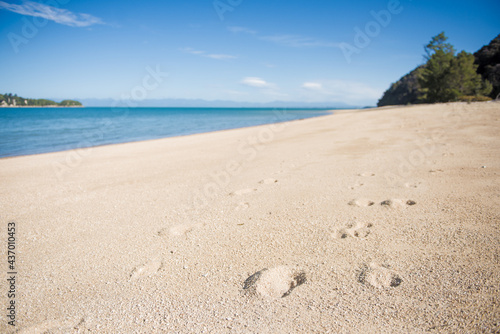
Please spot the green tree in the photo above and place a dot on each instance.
(438, 45)
(435, 78)
(69, 103)
(9, 98)
(446, 77)
(465, 79)
(44, 102)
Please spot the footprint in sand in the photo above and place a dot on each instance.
(53, 325)
(242, 206)
(397, 203)
(180, 229)
(379, 276)
(388, 203)
(361, 202)
(357, 185)
(251, 190)
(243, 191)
(268, 181)
(147, 269)
(177, 230)
(274, 283)
(359, 230)
(435, 171)
(163, 232)
(413, 184)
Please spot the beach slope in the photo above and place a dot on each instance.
(379, 220)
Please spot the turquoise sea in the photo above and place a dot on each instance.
(26, 131)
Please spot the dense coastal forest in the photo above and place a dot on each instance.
(449, 76)
(12, 100)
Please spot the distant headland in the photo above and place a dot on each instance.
(9, 100)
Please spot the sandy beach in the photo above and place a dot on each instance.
(377, 220)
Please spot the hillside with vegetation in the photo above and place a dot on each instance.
(12, 100)
(488, 61)
(406, 90)
(449, 76)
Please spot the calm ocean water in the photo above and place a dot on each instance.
(26, 131)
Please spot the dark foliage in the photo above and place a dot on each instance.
(488, 61)
(406, 90)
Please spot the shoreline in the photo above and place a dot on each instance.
(330, 112)
(361, 221)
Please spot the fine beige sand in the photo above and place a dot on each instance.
(365, 221)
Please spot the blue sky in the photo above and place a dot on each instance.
(239, 50)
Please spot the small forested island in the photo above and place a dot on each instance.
(12, 100)
(448, 76)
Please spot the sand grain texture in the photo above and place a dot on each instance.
(389, 219)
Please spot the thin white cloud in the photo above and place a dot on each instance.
(298, 41)
(217, 56)
(192, 51)
(295, 41)
(58, 15)
(220, 56)
(236, 30)
(256, 82)
(312, 85)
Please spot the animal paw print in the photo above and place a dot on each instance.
(393, 203)
(397, 203)
(359, 230)
(357, 185)
(379, 276)
(361, 202)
